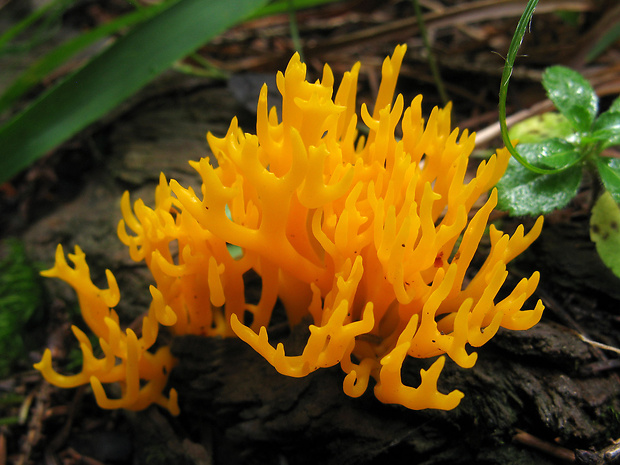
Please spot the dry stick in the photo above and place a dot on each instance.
(454, 16)
(460, 14)
(598, 344)
(3, 452)
(547, 447)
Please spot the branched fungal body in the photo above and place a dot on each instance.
(361, 235)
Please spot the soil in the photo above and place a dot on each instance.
(542, 396)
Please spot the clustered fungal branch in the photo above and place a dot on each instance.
(361, 235)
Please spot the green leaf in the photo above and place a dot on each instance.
(609, 171)
(523, 192)
(606, 129)
(572, 95)
(551, 153)
(283, 6)
(604, 42)
(569, 17)
(615, 105)
(605, 231)
(107, 80)
(42, 67)
(541, 127)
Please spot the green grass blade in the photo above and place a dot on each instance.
(283, 6)
(432, 62)
(41, 68)
(296, 38)
(28, 21)
(121, 70)
(604, 43)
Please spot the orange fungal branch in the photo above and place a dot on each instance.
(369, 238)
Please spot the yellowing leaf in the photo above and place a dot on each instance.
(605, 231)
(541, 127)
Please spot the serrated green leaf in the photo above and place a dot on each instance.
(523, 192)
(606, 129)
(605, 231)
(108, 79)
(572, 95)
(551, 153)
(609, 171)
(541, 127)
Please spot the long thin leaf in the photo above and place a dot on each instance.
(604, 42)
(14, 31)
(130, 63)
(283, 6)
(42, 67)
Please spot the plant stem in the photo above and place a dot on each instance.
(432, 63)
(517, 39)
(292, 18)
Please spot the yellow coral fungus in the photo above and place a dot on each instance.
(360, 235)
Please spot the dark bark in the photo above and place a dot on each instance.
(533, 380)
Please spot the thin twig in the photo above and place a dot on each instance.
(483, 10)
(598, 344)
(549, 448)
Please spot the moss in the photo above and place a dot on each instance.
(21, 296)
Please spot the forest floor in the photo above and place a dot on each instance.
(542, 396)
